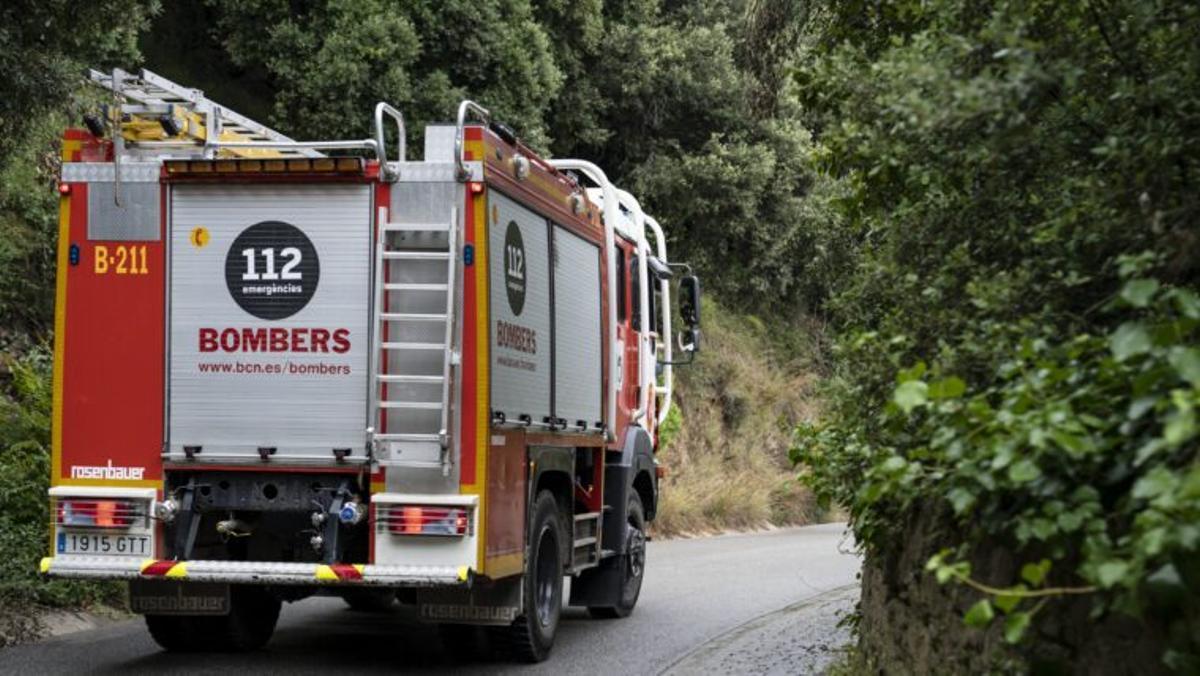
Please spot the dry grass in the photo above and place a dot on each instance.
(727, 465)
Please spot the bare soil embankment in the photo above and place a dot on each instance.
(726, 444)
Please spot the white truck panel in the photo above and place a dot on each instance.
(519, 252)
(578, 361)
(234, 385)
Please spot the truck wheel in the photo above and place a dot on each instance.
(531, 635)
(633, 563)
(250, 623)
(370, 600)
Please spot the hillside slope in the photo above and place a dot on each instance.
(725, 445)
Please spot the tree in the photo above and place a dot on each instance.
(45, 49)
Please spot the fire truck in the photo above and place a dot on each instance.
(287, 368)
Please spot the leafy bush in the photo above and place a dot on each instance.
(24, 479)
(1080, 453)
(1002, 355)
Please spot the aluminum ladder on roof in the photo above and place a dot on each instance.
(414, 353)
(155, 95)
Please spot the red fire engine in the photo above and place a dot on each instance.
(285, 368)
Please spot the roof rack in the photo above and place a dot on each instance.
(162, 118)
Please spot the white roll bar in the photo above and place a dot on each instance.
(381, 108)
(668, 340)
(611, 213)
(459, 144)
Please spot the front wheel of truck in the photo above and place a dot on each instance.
(250, 623)
(632, 564)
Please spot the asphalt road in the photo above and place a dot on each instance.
(696, 591)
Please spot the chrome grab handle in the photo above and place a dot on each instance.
(459, 145)
(380, 145)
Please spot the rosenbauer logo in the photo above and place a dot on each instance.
(272, 270)
(107, 471)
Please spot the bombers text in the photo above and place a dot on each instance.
(274, 340)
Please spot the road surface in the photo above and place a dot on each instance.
(696, 592)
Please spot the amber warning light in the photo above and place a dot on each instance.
(318, 165)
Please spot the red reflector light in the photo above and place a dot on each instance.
(97, 513)
(64, 188)
(426, 520)
(476, 188)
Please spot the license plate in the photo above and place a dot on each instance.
(104, 544)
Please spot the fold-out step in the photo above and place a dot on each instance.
(415, 227)
(416, 255)
(414, 346)
(411, 317)
(420, 405)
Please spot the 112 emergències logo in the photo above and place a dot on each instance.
(272, 271)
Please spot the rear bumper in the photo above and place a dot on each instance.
(256, 572)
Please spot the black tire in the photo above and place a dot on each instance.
(632, 563)
(531, 636)
(250, 623)
(370, 600)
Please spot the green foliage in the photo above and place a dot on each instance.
(44, 49)
(670, 427)
(1017, 208)
(24, 479)
(329, 62)
(45, 45)
(654, 92)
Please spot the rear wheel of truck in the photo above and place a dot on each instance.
(531, 635)
(250, 623)
(632, 564)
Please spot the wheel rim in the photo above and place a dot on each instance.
(546, 572)
(635, 541)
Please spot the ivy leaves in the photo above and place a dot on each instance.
(1081, 450)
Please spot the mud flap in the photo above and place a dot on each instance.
(600, 586)
(495, 603)
(167, 597)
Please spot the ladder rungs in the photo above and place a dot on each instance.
(411, 317)
(414, 346)
(415, 227)
(398, 378)
(415, 287)
(419, 405)
(416, 255)
(583, 542)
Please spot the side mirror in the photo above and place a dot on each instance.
(689, 301)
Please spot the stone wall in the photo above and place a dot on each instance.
(912, 625)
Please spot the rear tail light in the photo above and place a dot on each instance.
(425, 520)
(92, 513)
